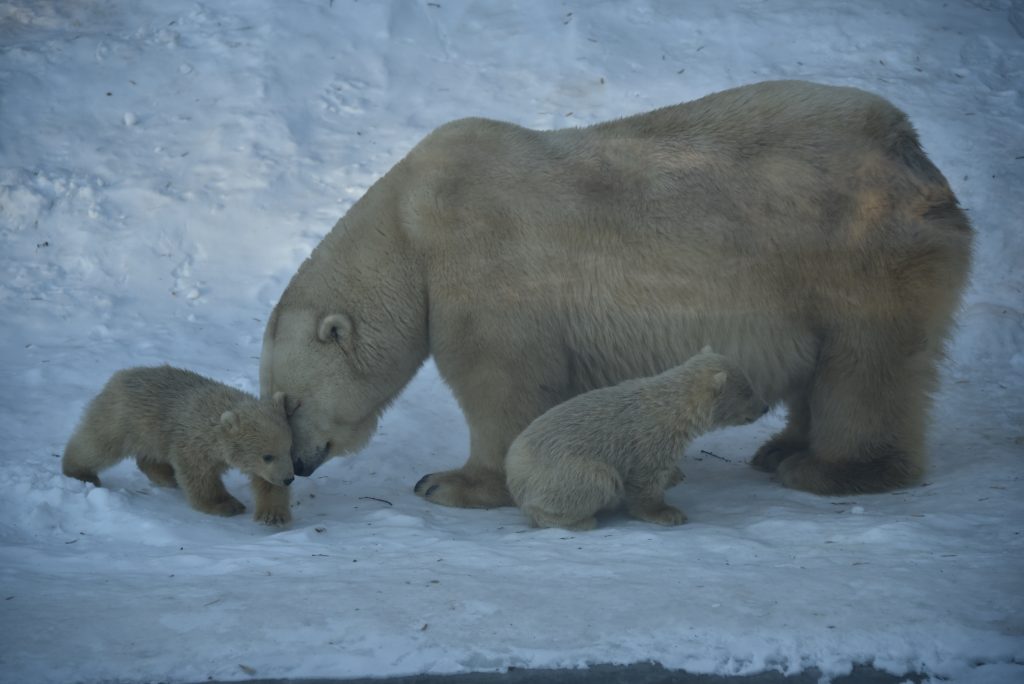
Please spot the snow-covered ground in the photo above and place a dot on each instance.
(165, 165)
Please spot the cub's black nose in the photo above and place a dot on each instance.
(288, 481)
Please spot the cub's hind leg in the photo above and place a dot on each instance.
(159, 473)
(89, 451)
(571, 494)
(205, 491)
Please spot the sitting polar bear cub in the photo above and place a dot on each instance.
(185, 429)
(620, 444)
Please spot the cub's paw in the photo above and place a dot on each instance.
(544, 519)
(227, 508)
(662, 515)
(674, 477)
(464, 490)
(773, 452)
(273, 516)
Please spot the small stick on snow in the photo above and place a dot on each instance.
(373, 498)
(720, 458)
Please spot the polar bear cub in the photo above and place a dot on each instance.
(185, 429)
(620, 445)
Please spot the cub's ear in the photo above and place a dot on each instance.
(229, 421)
(707, 349)
(336, 327)
(282, 402)
(718, 380)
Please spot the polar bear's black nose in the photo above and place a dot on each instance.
(297, 466)
(289, 480)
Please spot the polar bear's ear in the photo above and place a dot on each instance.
(282, 401)
(707, 349)
(336, 327)
(718, 380)
(229, 421)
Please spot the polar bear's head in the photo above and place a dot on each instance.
(333, 403)
(258, 440)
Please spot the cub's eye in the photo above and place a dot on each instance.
(267, 458)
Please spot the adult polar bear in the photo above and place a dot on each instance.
(797, 228)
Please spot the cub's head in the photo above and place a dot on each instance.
(732, 399)
(259, 441)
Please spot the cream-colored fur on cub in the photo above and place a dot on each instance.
(620, 445)
(185, 430)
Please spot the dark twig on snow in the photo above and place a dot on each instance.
(373, 498)
(714, 455)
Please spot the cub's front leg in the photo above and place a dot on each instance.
(646, 500)
(272, 507)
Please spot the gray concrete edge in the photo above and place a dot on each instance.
(637, 673)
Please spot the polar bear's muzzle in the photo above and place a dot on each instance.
(305, 469)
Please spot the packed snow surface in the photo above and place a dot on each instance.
(165, 165)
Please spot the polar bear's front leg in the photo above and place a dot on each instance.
(793, 439)
(498, 406)
(465, 487)
(480, 483)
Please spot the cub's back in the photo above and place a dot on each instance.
(163, 398)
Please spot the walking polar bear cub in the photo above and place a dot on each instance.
(798, 229)
(185, 429)
(622, 444)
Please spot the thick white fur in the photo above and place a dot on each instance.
(621, 445)
(796, 227)
(185, 429)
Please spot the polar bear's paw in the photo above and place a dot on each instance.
(463, 489)
(773, 452)
(879, 469)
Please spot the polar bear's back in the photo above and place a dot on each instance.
(749, 154)
(755, 214)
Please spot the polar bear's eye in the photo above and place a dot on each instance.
(267, 458)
